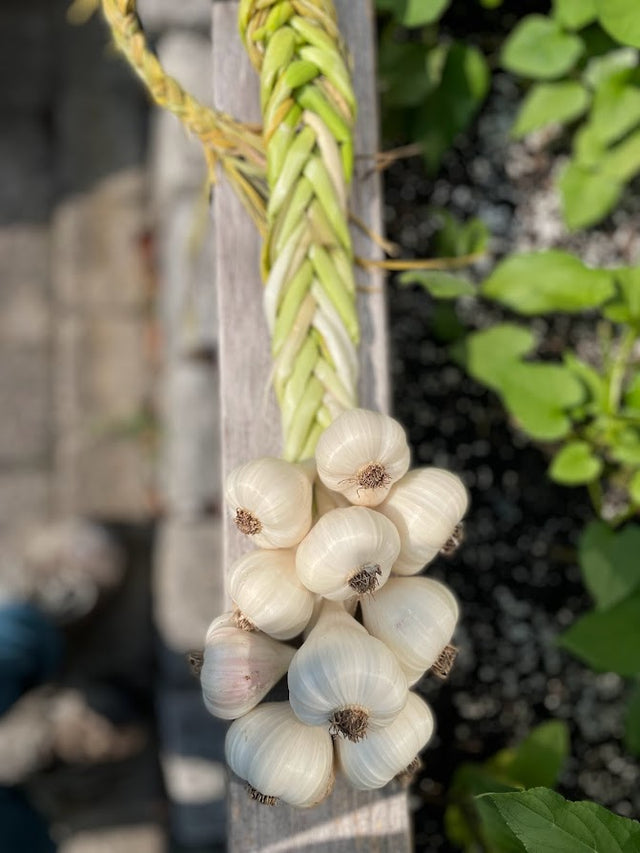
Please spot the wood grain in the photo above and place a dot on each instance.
(375, 822)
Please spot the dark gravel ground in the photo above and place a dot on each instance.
(516, 574)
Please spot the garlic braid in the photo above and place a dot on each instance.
(237, 146)
(308, 108)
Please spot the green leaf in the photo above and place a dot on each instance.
(544, 282)
(574, 14)
(625, 446)
(456, 100)
(538, 760)
(538, 48)
(417, 13)
(454, 238)
(575, 464)
(621, 20)
(608, 640)
(441, 285)
(632, 394)
(634, 488)
(616, 107)
(609, 562)
(547, 103)
(547, 823)
(404, 72)
(632, 722)
(623, 161)
(594, 382)
(588, 148)
(536, 394)
(600, 68)
(626, 307)
(586, 196)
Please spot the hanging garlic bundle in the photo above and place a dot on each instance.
(280, 757)
(386, 753)
(343, 678)
(239, 668)
(349, 678)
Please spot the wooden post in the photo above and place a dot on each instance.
(348, 820)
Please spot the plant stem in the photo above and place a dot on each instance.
(595, 494)
(618, 369)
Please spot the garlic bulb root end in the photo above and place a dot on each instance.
(350, 722)
(444, 663)
(241, 621)
(454, 541)
(246, 522)
(406, 777)
(374, 475)
(366, 578)
(265, 799)
(195, 659)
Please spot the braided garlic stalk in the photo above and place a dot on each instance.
(308, 107)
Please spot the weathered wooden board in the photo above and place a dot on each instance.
(348, 820)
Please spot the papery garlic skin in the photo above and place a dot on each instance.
(239, 668)
(375, 761)
(344, 679)
(415, 617)
(271, 500)
(426, 506)
(349, 550)
(280, 757)
(265, 587)
(361, 455)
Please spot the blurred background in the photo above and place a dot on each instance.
(109, 474)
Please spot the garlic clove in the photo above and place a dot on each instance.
(344, 679)
(265, 587)
(361, 455)
(348, 551)
(271, 501)
(426, 506)
(384, 754)
(415, 617)
(239, 668)
(280, 757)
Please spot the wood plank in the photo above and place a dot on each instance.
(348, 820)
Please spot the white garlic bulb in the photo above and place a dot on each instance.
(362, 454)
(349, 550)
(384, 754)
(344, 679)
(415, 617)
(271, 499)
(280, 757)
(326, 500)
(265, 587)
(426, 506)
(239, 668)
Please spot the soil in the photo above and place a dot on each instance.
(516, 574)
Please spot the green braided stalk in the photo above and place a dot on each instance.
(308, 108)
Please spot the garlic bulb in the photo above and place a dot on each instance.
(239, 668)
(280, 757)
(426, 506)
(342, 678)
(374, 762)
(265, 587)
(271, 499)
(347, 551)
(415, 617)
(362, 454)
(326, 500)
